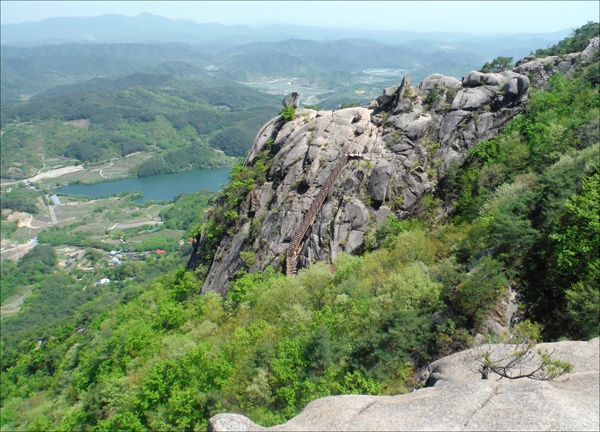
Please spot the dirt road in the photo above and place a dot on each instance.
(14, 306)
(135, 224)
(56, 173)
(16, 252)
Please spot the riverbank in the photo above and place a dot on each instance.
(114, 169)
(162, 187)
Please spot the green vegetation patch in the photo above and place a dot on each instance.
(576, 42)
(21, 199)
(177, 126)
(186, 210)
(529, 194)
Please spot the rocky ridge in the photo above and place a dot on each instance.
(407, 139)
(458, 399)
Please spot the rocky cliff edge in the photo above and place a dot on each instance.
(404, 141)
(458, 399)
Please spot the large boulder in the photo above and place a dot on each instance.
(516, 87)
(437, 81)
(413, 124)
(391, 95)
(381, 177)
(458, 399)
(291, 100)
(476, 79)
(397, 103)
(481, 89)
(592, 48)
(470, 99)
(388, 96)
(543, 68)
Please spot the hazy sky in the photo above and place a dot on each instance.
(469, 16)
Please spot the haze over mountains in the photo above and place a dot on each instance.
(39, 56)
(152, 29)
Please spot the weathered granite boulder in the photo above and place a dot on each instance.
(543, 68)
(476, 79)
(381, 176)
(372, 105)
(592, 48)
(482, 89)
(473, 98)
(291, 100)
(437, 81)
(516, 87)
(413, 124)
(397, 103)
(388, 96)
(391, 96)
(458, 399)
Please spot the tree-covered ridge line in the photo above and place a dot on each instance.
(575, 42)
(37, 70)
(181, 126)
(160, 356)
(520, 189)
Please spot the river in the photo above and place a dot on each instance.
(160, 187)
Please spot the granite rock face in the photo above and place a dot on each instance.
(437, 81)
(592, 48)
(291, 100)
(458, 399)
(403, 143)
(541, 69)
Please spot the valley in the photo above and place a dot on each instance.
(311, 94)
(104, 223)
(341, 250)
(78, 226)
(361, 87)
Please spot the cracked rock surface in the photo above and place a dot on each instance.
(409, 138)
(460, 400)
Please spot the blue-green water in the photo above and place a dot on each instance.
(160, 187)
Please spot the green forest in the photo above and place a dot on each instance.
(152, 353)
(181, 126)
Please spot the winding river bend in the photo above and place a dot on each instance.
(160, 187)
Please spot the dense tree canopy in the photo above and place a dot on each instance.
(181, 127)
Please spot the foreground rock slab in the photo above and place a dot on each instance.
(459, 400)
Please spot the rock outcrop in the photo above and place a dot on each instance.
(409, 137)
(291, 100)
(592, 48)
(437, 81)
(458, 399)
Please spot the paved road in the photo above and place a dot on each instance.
(53, 215)
(21, 249)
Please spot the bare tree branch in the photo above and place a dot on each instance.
(518, 360)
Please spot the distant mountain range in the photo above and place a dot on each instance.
(65, 55)
(148, 28)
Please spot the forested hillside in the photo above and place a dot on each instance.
(29, 71)
(179, 123)
(520, 214)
